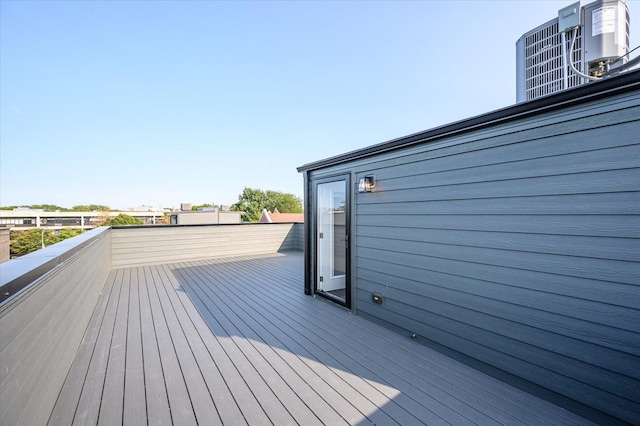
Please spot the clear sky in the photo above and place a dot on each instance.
(129, 103)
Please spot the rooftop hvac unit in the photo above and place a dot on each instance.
(581, 44)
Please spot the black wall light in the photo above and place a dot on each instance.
(366, 184)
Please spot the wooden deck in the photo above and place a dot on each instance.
(235, 341)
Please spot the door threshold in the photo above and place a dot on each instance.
(332, 297)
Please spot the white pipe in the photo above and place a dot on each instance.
(565, 76)
(573, 41)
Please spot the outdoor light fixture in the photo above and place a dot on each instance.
(366, 184)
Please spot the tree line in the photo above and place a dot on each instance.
(54, 208)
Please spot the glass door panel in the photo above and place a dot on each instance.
(331, 238)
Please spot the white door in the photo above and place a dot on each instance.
(332, 238)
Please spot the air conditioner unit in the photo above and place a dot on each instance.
(595, 38)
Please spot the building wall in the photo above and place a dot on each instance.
(28, 219)
(516, 249)
(206, 217)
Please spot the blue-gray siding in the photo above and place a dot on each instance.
(517, 246)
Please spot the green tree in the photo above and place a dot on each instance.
(27, 241)
(48, 207)
(253, 201)
(64, 233)
(90, 208)
(199, 206)
(284, 202)
(24, 242)
(122, 219)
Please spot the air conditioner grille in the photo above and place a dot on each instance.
(543, 64)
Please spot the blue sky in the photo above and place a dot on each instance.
(129, 103)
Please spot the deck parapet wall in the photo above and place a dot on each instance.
(167, 244)
(42, 326)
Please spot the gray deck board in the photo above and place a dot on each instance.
(88, 406)
(368, 393)
(276, 412)
(411, 400)
(219, 393)
(113, 391)
(226, 376)
(235, 341)
(134, 391)
(177, 393)
(156, 398)
(178, 325)
(441, 402)
(303, 403)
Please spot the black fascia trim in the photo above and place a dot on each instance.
(575, 96)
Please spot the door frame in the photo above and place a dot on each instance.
(314, 238)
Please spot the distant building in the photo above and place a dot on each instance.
(207, 216)
(277, 217)
(25, 218)
(139, 209)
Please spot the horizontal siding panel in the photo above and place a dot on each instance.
(533, 153)
(588, 204)
(509, 361)
(613, 226)
(514, 340)
(608, 292)
(583, 183)
(579, 267)
(496, 286)
(623, 249)
(585, 162)
(553, 332)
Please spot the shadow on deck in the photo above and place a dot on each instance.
(236, 341)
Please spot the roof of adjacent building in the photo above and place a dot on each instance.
(277, 217)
